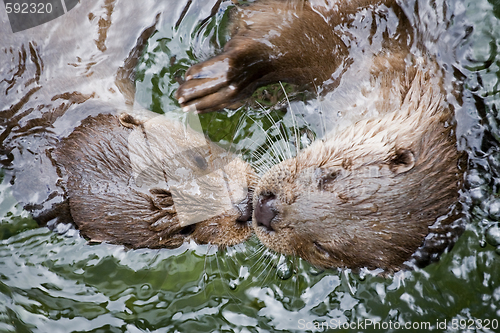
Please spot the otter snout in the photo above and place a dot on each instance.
(265, 210)
(245, 208)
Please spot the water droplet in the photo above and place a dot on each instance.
(485, 223)
(494, 209)
(233, 285)
(284, 270)
(482, 243)
(474, 179)
(315, 270)
(493, 235)
(478, 194)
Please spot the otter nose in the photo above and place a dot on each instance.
(245, 208)
(265, 210)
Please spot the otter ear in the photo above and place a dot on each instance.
(402, 161)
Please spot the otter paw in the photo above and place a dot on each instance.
(208, 86)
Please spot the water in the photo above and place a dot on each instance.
(51, 282)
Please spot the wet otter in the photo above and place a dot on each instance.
(368, 195)
(153, 183)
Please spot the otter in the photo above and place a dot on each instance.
(380, 193)
(153, 182)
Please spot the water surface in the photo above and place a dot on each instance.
(50, 282)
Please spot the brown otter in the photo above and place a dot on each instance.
(367, 195)
(153, 183)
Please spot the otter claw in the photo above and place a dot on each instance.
(207, 86)
(190, 108)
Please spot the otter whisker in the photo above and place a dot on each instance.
(205, 275)
(238, 127)
(220, 272)
(260, 263)
(280, 153)
(295, 125)
(261, 153)
(274, 260)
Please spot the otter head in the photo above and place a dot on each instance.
(153, 183)
(367, 196)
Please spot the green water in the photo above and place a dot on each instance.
(55, 283)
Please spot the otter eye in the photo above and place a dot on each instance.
(197, 158)
(200, 162)
(333, 175)
(328, 178)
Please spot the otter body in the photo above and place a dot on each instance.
(377, 193)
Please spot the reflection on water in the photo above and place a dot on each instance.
(53, 76)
